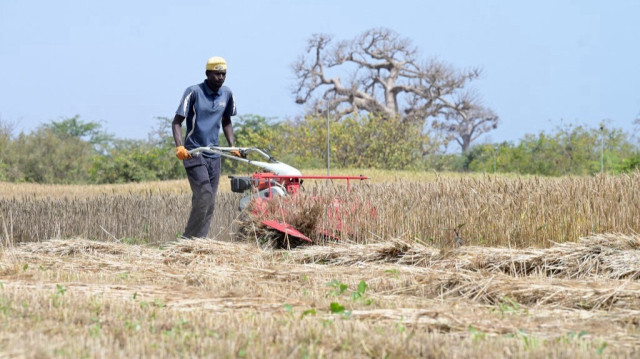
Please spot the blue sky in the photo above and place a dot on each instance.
(125, 62)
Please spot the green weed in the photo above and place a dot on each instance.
(476, 334)
(360, 292)
(338, 288)
(337, 308)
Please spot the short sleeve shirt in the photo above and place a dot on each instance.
(204, 109)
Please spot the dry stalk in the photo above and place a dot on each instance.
(482, 211)
(613, 256)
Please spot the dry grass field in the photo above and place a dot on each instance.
(480, 210)
(547, 268)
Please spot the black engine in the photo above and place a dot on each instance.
(240, 184)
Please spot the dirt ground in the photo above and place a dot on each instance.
(207, 298)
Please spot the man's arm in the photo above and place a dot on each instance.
(227, 128)
(176, 127)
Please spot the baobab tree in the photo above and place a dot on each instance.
(465, 120)
(380, 72)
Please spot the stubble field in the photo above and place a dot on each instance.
(546, 268)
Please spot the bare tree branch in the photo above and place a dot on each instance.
(384, 76)
(466, 120)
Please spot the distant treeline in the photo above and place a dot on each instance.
(73, 151)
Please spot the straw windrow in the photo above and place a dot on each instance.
(502, 294)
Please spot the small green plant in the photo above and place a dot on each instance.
(5, 305)
(61, 353)
(95, 330)
(476, 334)
(529, 341)
(337, 308)
(123, 276)
(571, 336)
(327, 322)
(601, 347)
(338, 288)
(311, 311)
(580, 334)
(508, 306)
(132, 326)
(393, 272)
(96, 306)
(359, 293)
(360, 290)
(57, 296)
(177, 329)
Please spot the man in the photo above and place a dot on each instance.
(206, 107)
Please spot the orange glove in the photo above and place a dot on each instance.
(236, 153)
(182, 153)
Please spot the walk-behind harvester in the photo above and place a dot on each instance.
(277, 180)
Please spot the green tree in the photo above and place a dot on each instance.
(91, 132)
(631, 163)
(253, 131)
(59, 151)
(569, 149)
(46, 157)
(8, 169)
(139, 160)
(135, 161)
(356, 141)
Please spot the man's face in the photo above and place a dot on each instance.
(216, 78)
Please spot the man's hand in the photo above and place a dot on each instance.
(182, 153)
(236, 153)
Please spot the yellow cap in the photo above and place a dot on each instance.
(217, 63)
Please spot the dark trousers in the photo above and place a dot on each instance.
(204, 176)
